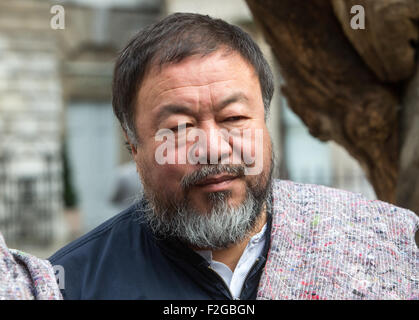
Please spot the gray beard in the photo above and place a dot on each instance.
(223, 226)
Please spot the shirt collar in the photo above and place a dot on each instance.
(258, 237)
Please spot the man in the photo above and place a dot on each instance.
(192, 95)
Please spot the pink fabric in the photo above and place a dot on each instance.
(333, 244)
(25, 277)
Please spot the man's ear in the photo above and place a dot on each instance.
(131, 148)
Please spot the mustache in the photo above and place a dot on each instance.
(209, 170)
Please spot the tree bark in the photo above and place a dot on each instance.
(391, 32)
(390, 48)
(330, 87)
(407, 195)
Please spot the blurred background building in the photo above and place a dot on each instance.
(64, 168)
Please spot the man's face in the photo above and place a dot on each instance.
(216, 92)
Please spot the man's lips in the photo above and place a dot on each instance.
(216, 183)
(215, 180)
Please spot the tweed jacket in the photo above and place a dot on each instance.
(25, 277)
(333, 244)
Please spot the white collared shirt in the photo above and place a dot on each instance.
(235, 280)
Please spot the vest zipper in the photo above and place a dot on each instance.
(223, 282)
(247, 276)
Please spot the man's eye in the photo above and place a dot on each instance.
(236, 118)
(181, 127)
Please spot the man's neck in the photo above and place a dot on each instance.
(231, 256)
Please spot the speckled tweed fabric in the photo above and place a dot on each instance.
(25, 277)
(333, 244)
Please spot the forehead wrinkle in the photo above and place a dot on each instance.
(195, 86)
(195, 98)
(186, 68)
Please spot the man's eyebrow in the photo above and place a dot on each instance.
(170, 109)
(235, 97)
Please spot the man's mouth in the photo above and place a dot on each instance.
(216, 183)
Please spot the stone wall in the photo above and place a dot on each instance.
(42, 73)
(30, 122)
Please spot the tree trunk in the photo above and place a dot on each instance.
(408, 181)
(346, 85)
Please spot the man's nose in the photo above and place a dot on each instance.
(218, 149)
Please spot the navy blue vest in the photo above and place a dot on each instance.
(121, 259)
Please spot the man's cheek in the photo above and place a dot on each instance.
(165, 148)
(173, 149)
(253, 151)
(168, 175)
